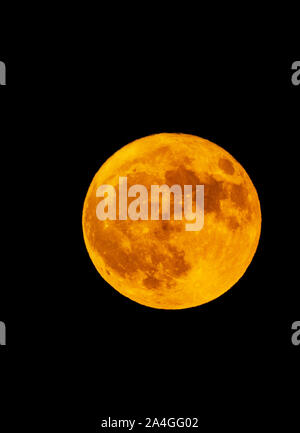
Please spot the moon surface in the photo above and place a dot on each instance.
(158, 263)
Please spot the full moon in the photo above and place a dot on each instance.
(159, 263)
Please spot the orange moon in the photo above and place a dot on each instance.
(158, 263)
